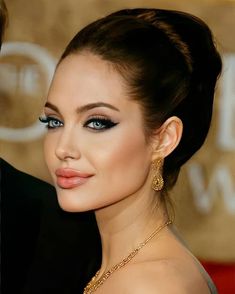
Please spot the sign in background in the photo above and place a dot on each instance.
(37, 33)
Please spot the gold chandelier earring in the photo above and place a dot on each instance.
(158, 182)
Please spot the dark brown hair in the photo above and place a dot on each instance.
(170, 63)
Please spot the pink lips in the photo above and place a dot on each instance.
(69, 178)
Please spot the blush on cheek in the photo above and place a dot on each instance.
(49, 155)
(126, 168)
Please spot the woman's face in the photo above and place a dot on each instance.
(95, 147)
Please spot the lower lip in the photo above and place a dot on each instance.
(72, 182)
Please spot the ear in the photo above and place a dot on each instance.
(167, 137)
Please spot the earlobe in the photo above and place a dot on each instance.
(168, 137)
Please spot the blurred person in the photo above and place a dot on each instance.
(3, 19)
(43, 249)
(130, 102)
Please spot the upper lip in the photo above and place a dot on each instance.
(70, 172)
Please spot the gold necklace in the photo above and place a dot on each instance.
(94, 284)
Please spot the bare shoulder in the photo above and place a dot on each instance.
(164, 277)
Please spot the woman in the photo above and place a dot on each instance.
(130, 103)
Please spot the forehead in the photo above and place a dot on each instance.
(87, 78)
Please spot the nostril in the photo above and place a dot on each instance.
(66, 145)
(67, 152)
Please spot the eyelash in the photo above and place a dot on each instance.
(105, 123)
(48, 120)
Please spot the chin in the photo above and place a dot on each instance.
(72, 203)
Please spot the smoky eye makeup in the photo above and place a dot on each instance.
(99, 123)
(50, 122)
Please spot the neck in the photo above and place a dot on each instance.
(126, 224)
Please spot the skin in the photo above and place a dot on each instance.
(119, 159)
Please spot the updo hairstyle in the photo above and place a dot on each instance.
(170, 64)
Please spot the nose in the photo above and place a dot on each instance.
(67, 147)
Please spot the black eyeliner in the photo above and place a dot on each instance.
(47, 119)
(108, 123)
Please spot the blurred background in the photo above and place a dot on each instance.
(204, 196)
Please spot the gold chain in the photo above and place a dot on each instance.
(94, 284)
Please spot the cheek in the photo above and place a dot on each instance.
(124, 158)
(49, 149)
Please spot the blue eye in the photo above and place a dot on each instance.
(51, 122)
(99, 124)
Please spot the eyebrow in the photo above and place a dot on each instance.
(84, 108)
(89, 106)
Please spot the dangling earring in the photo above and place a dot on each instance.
(158, 182)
